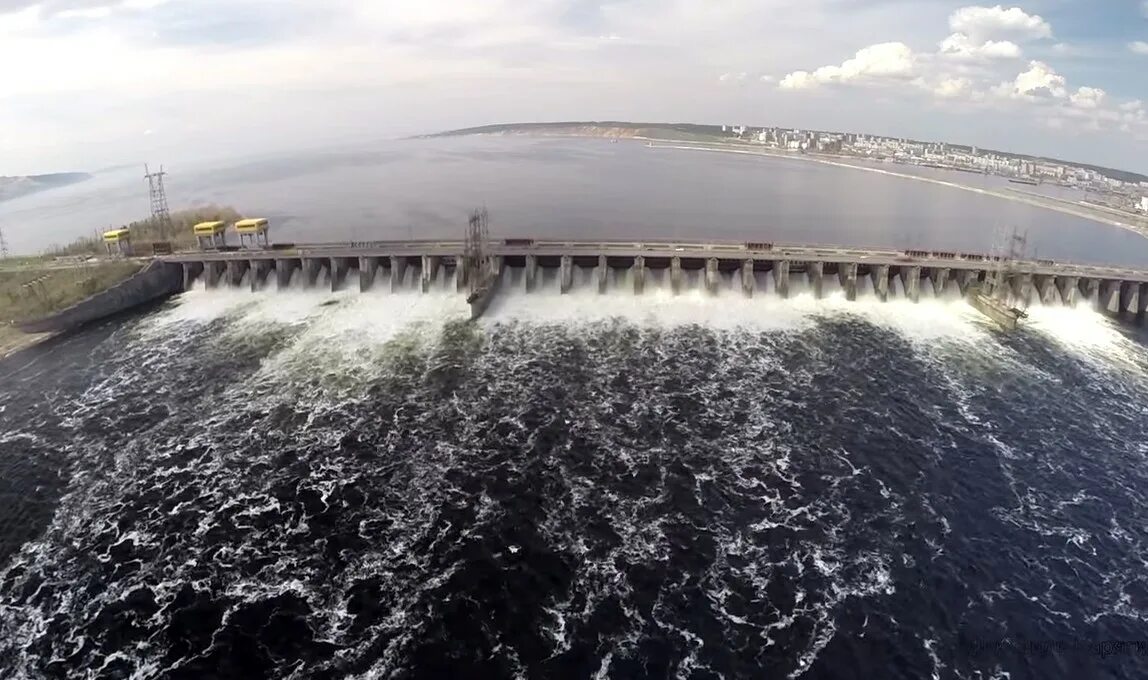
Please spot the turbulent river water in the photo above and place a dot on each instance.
(294, 484)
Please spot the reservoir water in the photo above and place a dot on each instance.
(575, 188)
(300, 484)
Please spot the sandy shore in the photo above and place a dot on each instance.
(1048, 203)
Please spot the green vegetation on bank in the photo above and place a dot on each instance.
(35, 286)
(30, 293)
(150, 231)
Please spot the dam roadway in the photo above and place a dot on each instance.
(1118, 290)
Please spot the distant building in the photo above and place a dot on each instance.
(1143, 204)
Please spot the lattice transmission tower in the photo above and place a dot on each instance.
(160, 214)
(3, 244)
(1009, 248)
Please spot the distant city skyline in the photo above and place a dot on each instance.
(93, 83)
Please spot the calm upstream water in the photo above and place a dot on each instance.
(300, 484)
(575, 188)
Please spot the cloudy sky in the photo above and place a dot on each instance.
(90, 83)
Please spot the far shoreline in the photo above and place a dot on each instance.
(1029, 198)
(1063, 206)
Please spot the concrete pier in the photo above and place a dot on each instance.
(398, 272)
(847, 276)
(880, 276)
(1141, 304)
(368, 269)
(283, 271)
(940, 278)
(1069, 289)
(259, 271)
(965, 279)
(748, 280)
(430, 265)
(639, 273)
(1106, 293)
(339, 266)
(235, 271)
(530, 275)
(462, 274)
(1090, 290)
(311, 268)
(911, 282)
(567, 274)
(781, 279)
(816, 273)
(1021, 287)
(191, 271)
(1129, 292)
(676, 275)
(1046, 290)
(602, 272)
(713, 279)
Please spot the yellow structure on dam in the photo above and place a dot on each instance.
(256, 229)
(210, 234)
(118, 241)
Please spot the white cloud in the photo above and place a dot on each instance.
(960, 46)
(953, 87)
(982, 24)
(884, 61)
(798, 80)
(1039, 81)
(1138, 47)
(335, 64)
(1088, 98)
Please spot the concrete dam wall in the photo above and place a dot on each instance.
(716, 271)
(157, 280)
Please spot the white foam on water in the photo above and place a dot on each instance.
(656, 305)
(1088, 333)
(200, 305)
(351, 331)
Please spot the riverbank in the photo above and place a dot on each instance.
(13, 340)
(1046, 202)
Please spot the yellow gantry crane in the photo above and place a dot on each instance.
(209, 235)
(118, 242)
(255, 229)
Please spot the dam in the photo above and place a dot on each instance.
(626, 266)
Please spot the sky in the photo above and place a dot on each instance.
(86, 84)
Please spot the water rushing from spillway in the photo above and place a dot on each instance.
(299, 484)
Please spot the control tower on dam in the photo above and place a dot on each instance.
(632, 267)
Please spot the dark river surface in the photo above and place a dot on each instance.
(300, 484)
(576, 188)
